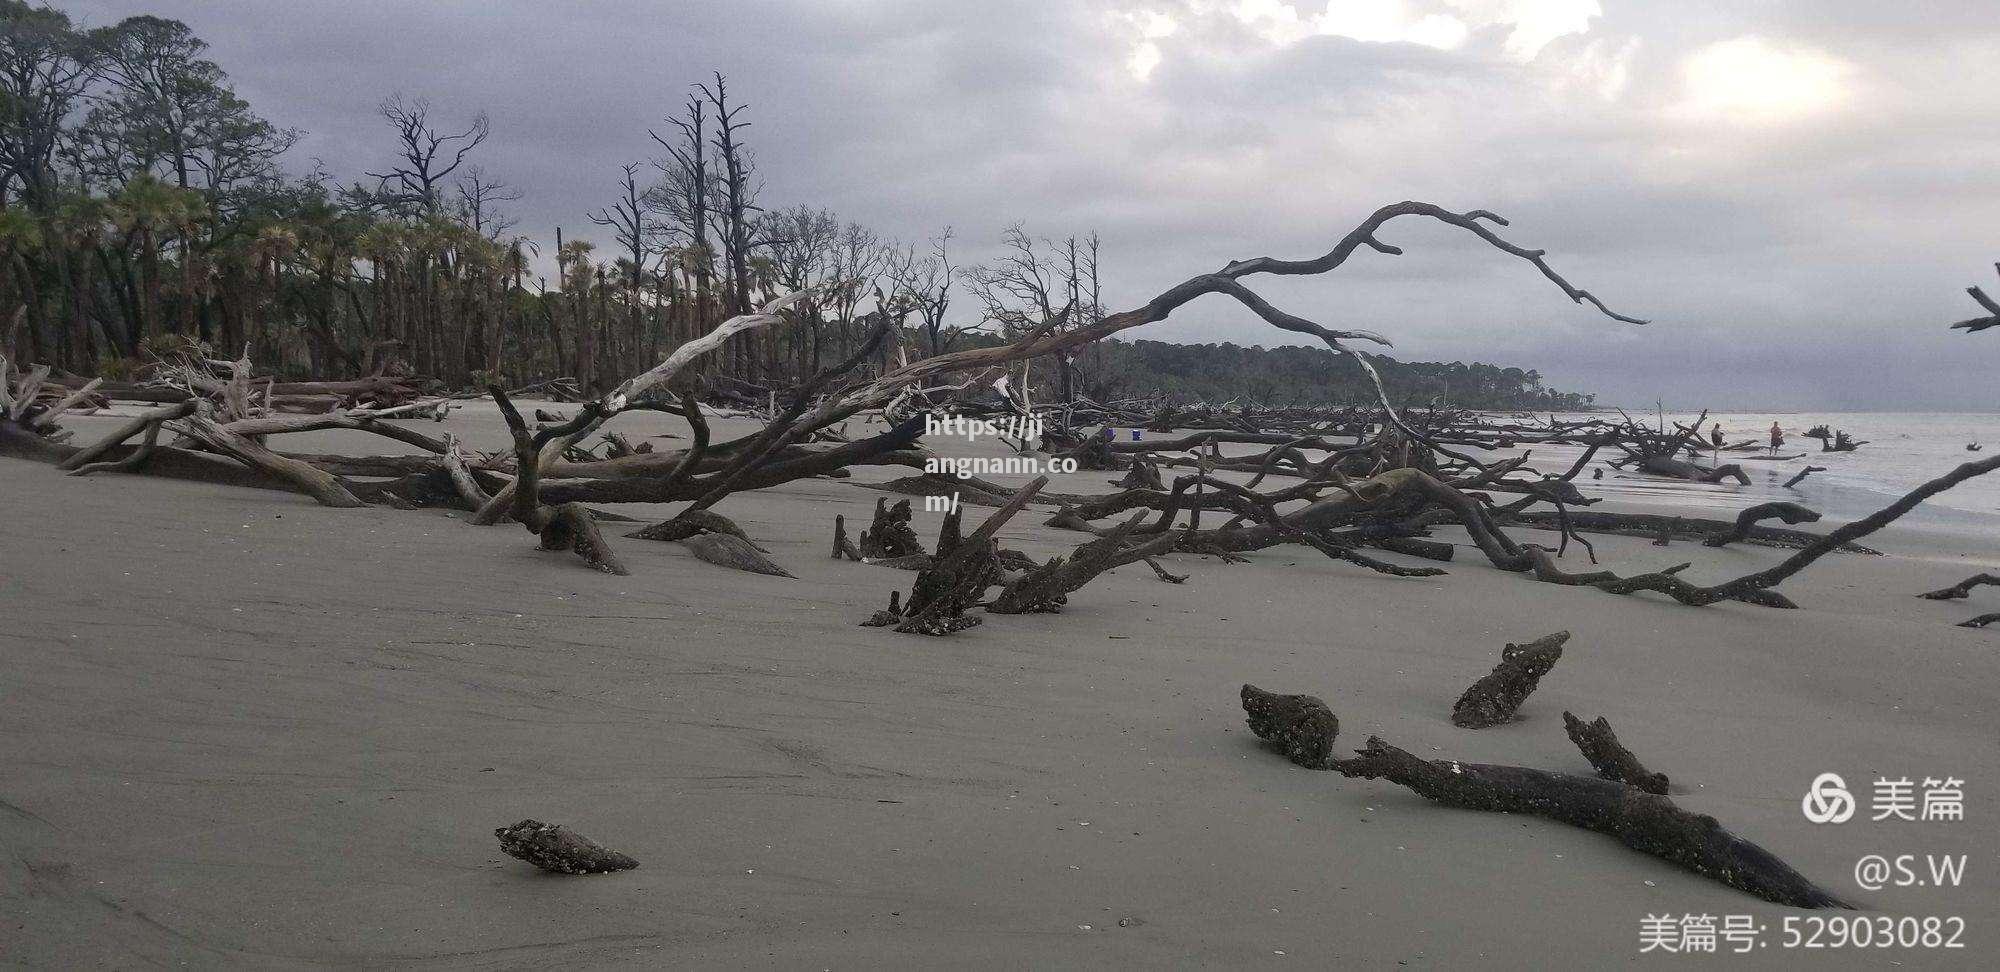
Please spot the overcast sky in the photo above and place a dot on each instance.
(1795, 193)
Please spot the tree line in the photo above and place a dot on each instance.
(1213, 373)
(146, 206)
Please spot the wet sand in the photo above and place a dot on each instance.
(243, 730)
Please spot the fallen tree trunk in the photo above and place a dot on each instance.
(310, 480)
(889, 448)
(1302, 728)
(1646, 822)
(1689, 528)
(1678, 469)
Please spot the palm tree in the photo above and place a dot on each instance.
(21, 234)
(265, 256)
(139, 211)
(79, 222)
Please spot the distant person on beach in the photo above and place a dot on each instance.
(1777, 438)
(1715, 436)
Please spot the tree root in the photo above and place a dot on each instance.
(1613, 761)
(959, 575)
(733, 552)
(567, 525)
(1494, 698)
(571, 527)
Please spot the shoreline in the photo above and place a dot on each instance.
(298, 753)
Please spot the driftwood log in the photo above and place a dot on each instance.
(553, 847)
(1303, 729)
(1494, 699)
(1961, 589)
(1645, 822)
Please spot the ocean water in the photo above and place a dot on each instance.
(1903, 451)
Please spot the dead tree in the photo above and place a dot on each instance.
(1992, 309)
(1494, 698)
(957, 577)
(568, 525)
(1610, 757)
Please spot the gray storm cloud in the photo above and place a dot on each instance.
(1796, 193)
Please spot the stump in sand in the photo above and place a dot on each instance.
(1493, 700)
(1299, 726)
(553, 848)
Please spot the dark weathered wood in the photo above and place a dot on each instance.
(951, 583)
(1047, 588)
(733, 552)
(1792, 513)
(1961, 589)
(1793, 482)
(843, 546)
(1645, 822)
(1494, 699)
(1300, 727)
(1609, 756)
(553, 847)
(890, 534)
(310, 480)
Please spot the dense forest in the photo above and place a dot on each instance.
(145, 207)
(1219, 372)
